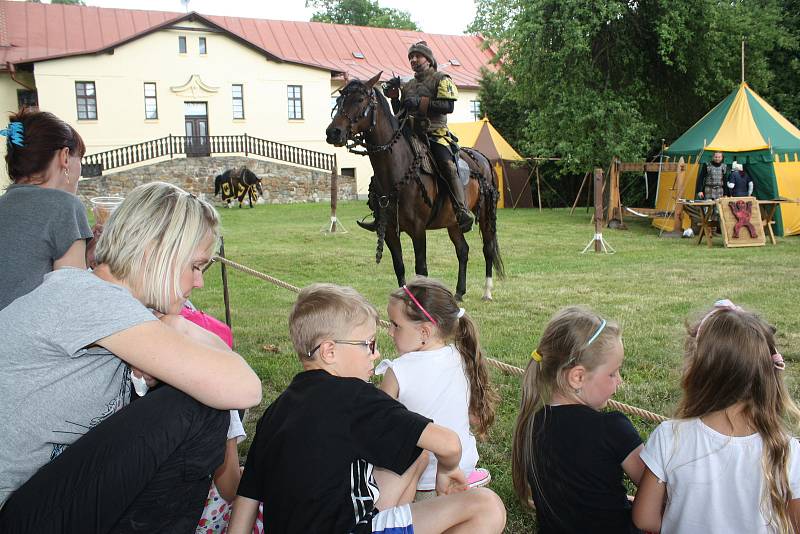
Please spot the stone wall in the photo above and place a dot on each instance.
(282, 184)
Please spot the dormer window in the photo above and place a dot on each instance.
(455, 62)
(358, 55)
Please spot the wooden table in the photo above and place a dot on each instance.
(769, 207)
(706, 211)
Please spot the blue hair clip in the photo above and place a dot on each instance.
(14, 133)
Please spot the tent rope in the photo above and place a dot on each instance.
(505, 367)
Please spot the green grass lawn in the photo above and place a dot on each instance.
(651, 286)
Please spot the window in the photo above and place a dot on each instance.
(181, 44)
(348, 171)
(202, 45)
(237, 95)
(475, 109)
(27, 99)
(150, 101)
(86, 99)
(295, 94)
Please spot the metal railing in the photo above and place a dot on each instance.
(195, 146)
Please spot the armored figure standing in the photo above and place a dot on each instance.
(428, 98)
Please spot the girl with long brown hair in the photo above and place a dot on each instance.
(569, 458)
(445, 381)
(727, 463)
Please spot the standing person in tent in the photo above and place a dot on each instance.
(739, 182)
(714, 179)
(428, 98)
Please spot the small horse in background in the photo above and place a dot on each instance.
(238, 183)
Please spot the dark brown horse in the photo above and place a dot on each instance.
(411, 200)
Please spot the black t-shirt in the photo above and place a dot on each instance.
(578, 454)
(312, 457)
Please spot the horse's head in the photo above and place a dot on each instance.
(354, 111)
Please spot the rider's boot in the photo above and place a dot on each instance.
(370, 226)
(450, 174)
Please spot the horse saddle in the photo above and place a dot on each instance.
(420, 147)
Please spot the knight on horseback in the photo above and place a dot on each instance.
(427, 99)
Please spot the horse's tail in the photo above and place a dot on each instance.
(217, 184)
(491, 194)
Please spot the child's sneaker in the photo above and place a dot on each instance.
(480, 477)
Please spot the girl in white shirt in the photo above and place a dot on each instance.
(440, 373)
(727, 463)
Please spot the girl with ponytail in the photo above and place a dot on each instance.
(727, 462)
(569, 457)
(441, 372)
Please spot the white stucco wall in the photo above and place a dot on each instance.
(119, 79)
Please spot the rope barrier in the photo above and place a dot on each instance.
(508, 368)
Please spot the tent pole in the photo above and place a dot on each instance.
(580, 190)
(742, 59)
(538, 188)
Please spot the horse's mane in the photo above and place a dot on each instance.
(358, 85)
(387, 110)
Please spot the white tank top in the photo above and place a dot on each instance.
(433, 384)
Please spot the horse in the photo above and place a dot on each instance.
(412, 200)
(238, 183)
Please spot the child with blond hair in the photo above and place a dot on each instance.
(570, 457)
(316, 447)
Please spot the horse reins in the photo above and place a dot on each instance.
(359, 139)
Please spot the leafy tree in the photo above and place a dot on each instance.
(69, 2)
(361, 13)
(598, 79)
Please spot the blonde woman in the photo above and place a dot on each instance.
(71, 458)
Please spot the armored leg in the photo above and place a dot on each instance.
(444, 160)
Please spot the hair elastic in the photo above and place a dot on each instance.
(777, 360)
(14, 133)
(460, 313)
(536, 356)
(423, 310)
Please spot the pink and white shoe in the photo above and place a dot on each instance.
(479, 478)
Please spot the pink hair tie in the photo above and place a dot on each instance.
(777, 359)
(423, 310)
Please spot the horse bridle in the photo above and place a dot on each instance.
(359, 139)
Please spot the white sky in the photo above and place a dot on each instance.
(448, 16)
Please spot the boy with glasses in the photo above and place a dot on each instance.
(314, 459)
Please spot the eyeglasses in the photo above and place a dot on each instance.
(371, 344)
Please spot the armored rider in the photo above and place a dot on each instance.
(428, 98)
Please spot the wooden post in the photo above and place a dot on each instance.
(598, 208)
(580, 190)
(615, 217)
(334, 192)
(680, 182)
(334, 226)
(225, 296)
(538, 188)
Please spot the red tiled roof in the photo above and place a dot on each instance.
(31, 32)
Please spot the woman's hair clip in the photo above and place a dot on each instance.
(777, 360)
(460, 313)
(14, 133)
(536, 356)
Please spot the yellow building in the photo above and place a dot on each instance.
(121, 77)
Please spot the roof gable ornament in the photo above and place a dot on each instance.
(195, 87)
